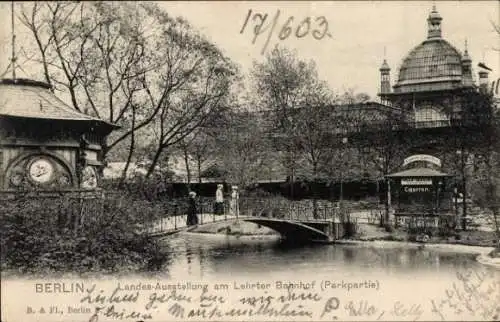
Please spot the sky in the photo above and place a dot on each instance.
(360, 34)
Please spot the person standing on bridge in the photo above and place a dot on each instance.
(219, 200)
(235, 196)
(192, 213)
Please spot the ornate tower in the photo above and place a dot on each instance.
(467, 68)
(385, 81)
(483, 80)
(434, 24)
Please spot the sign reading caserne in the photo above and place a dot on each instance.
(422, 157)
(416, 182)
(416, 189)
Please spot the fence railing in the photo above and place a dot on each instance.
(78, 211)
(431, 225)
(251, 207)
(309, 210)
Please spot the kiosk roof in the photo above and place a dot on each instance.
(33, 99)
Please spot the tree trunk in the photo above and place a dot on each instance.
(123, 176)
(387, 208)
(186, 163)
(314, 193)
(130, 153)
(464, 191)
(154, 162)
(199, 168)
(388, 195)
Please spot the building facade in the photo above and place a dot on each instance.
(445, 117)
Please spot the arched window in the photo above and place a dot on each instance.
(431, 117)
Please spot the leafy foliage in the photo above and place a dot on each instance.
(64, 234)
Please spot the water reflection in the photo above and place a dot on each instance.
(206, 256)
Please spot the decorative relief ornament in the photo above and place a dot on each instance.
(63, 180)
(89, 178)
(16, 179)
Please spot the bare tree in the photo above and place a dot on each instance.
(243, 149)
(180, 115)
(496, 28)
(101, 54)
(130, 64)
(202, 149)
(350, 97)
(283, 84)
(382, 146)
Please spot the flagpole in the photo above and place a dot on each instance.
(13, 59)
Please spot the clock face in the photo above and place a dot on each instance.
(41, 170)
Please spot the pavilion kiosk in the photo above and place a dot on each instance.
(46, 145)
(420, 194)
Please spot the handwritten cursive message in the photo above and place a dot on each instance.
(315, 27)
(470, 294)
(476, 292)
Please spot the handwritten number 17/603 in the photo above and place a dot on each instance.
(302, 29)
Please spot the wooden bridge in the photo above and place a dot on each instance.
(291, 226)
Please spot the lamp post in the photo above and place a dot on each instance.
(463, 164)
(455, 195)
(344, 142)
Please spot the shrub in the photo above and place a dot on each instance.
(67, 234)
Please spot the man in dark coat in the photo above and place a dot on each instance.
(192, 213)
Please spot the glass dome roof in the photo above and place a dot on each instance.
(434, 64)
(432, 60)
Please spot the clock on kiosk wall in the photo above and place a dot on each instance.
(41, 170)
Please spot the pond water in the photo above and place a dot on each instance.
(209, 277)
(432, 281)
(210, 256)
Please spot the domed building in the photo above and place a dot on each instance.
(442, 124)
(429, 79)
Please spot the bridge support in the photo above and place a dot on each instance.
(307, 231)
(292, 230)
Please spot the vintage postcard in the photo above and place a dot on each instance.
(250, 161)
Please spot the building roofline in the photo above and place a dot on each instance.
(25, 82)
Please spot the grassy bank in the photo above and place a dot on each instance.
(369, 232)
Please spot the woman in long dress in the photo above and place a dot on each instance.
(192, 213)
(234, 201)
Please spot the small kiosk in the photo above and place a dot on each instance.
(46, 145)
(420, 193)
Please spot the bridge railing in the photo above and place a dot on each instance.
(175, 215)
(308, 210)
